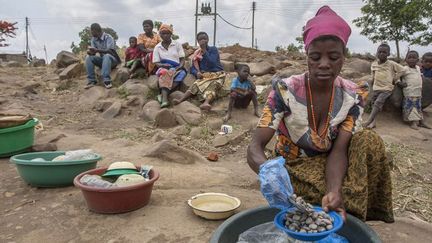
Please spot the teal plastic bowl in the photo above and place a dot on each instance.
(14, 140)
(50, 174)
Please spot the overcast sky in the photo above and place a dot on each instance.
(56, 23)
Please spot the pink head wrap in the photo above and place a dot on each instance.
(326, 22)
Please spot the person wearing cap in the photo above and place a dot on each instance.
(169, 58)
(316, 116)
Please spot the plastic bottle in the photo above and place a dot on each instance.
(95, 181)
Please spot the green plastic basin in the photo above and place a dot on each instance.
(14, 140)
(50, 174)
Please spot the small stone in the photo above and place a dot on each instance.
(309, 220)
(213, 156)
(302, 231)
(314, 231)
(9, 194)
(318, 221)
(313, 226)
(329, 227)
(321, 229)
(296, 217)
(314, 215)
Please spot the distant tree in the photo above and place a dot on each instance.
(300, 42)
(7, 30)
(85, 36)
(157, 25)
(396, 20)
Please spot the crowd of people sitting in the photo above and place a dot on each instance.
(158, 54)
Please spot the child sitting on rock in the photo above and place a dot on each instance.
(427, 65)
(411, 107)
(133, 56)
(385, 75)
(242, 92)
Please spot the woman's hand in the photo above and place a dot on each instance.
(333, 201)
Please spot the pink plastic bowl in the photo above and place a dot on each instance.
(117, 199)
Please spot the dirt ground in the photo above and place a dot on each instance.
(31, 214)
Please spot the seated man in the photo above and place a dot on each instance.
(209, 73)
(102, 43)
(242, 92)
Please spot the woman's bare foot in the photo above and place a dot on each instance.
(371, 125)
(205, 107)
(414, 126)
(226, 117)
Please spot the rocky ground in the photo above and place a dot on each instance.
(125, 123)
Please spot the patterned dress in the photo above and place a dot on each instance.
(367, 184)
(148, 42)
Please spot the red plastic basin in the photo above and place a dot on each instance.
(117, 199)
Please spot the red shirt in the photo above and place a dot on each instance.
(132, 53)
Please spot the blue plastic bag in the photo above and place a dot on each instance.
(275, 183)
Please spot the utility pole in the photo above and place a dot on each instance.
(214, 28)
(27, 45)
(196, 22)
(206, 10)
(46, 55)
(253, 22)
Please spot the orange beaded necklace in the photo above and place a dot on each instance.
(320, 139)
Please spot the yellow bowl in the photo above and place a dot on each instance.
(214, 206)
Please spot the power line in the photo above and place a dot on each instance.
(233, 25)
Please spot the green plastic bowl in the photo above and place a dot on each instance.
(14, 140)
(50, 174)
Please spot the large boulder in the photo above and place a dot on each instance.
(13, 64)
(90, 96)
(135, 87)
(150, 110)
(261, 68)
(112, 111)
(65, 58)
(228, 66)
(169, 151)
(426, 92)
(188, 113)
(72, 71)
(165, 118)
(152, 82)
(227, 57)
(188, 81)
(359, 65)
(119, 75)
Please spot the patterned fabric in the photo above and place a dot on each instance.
(209, 86)
(412, 77)
(367, 187)
(149, 42)
(286, 111)
(385, 75)
(166, 77)
(412, 109)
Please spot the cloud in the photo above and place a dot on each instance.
(57, 23)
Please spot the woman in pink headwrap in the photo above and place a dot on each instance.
(316, 116)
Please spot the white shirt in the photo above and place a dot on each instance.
(412, 77)
(174, 53)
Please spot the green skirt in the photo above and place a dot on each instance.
(367, 187)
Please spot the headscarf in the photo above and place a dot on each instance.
(166, 27)
(326, 22)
